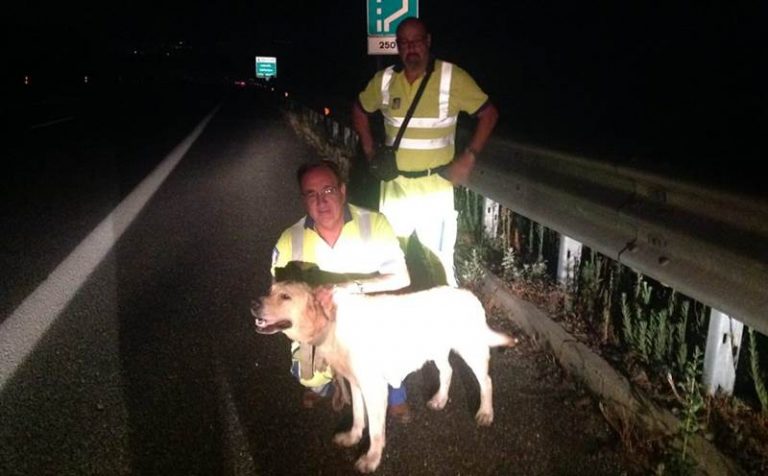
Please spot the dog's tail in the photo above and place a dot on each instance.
(497, 339)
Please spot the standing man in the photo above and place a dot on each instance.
(341, 238)
(420, 200)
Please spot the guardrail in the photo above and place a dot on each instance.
(709, 245)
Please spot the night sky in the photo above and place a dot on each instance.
(649, 80)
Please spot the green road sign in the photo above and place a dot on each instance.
(383, 18)
(266, 67)
(385, 15)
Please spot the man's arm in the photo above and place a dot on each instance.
(460, 169)
(392, 271)
(397, 278)
(362, 126)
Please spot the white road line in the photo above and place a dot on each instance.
(21, 331)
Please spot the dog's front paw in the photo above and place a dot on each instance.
(484, 418)
(347, 438)
(368, 462)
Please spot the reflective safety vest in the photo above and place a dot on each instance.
(297, 237)
(429, 139)
(367, 244)
(443, 125)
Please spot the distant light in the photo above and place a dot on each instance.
(326, 111)
(85, 79)
(240, 83)
(26, 80)
(286, 94)
(273, 89)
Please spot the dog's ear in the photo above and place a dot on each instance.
(316, 316)
(324, 297)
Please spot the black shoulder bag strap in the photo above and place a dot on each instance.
(411, 109)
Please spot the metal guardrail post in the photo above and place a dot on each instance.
(722, 353)
(568, 256)
(490, 217)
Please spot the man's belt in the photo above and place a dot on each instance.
(424, 173)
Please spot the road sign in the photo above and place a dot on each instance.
(266, 67)
(383, 18)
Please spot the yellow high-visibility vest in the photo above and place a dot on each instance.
(428, 141)
(367, 244)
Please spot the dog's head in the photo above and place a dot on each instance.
(295, 309)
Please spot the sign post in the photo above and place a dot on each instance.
(266, 67)
(383, 18)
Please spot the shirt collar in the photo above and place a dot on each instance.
(309, 223)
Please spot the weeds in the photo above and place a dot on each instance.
(591, 282)
(657, 325)
(693, 403)
(754, 368)
(693, 400)
(471, 270)
(606, 300)
(470, 206)
(656, 336)
(680, 337)
(635, 320)
(510, 265)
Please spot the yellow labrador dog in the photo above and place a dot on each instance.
(375, 340)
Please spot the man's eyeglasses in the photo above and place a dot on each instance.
(324, 193)
(410, 44)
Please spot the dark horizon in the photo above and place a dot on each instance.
(638, 82)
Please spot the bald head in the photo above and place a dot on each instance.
(412, 23)
(413, 43)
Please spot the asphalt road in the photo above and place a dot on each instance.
(153, 368)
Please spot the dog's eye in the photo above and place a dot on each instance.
(285, 297)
